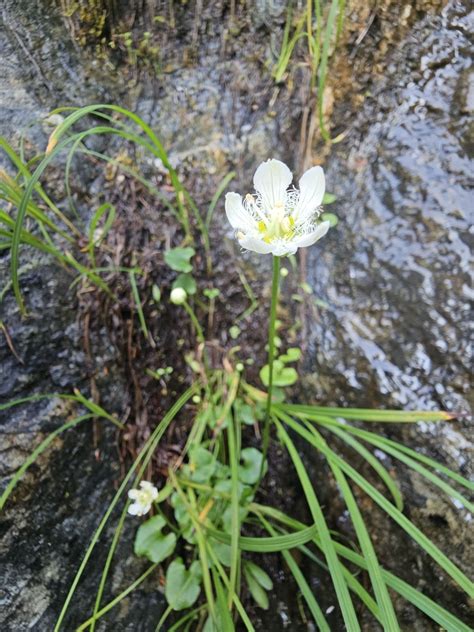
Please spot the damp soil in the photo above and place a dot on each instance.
(388, 328)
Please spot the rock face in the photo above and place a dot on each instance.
(393, 275)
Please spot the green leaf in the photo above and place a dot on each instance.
(186, 282)
(258, 593)
(328, 545)
(306, 287)
(249, 470)
(211, 293)
(222, 551)
(293, 354)
(150, 542)
(234, 332)
(245, 413)
(329, 198)
(444, 562)
(259, 575)
(389, 619)
(306, 591)
(210, 626)
(331, 218)
(179, 259)
(156, 293)
(282, 375)
(202, 465)
(369, 414)
(182, 586)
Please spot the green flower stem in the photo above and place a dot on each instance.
(194, 320)
(271, 356)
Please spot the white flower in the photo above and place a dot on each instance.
(277, 220)
(143, 498)
(178, 296)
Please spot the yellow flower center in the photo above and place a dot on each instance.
(145, 497)
(279, 226)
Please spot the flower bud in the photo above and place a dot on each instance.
(178, 296)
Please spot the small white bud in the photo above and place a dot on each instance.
(284, 272)
(178, 296)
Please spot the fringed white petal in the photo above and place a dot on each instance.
(283, 248)
(251, 242)
(238, 217)
(312, 186)
(271, 180)
(311, 238)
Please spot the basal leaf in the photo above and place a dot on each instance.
(179, 259)
(182, 585)
(151, 543)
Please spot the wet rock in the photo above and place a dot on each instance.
(394, 273)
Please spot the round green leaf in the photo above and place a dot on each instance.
(293, 354)
(151, 543)
(330, 217)
(179, 259)
(202, 465)
(282, 376)
(186, 282)
(329, 198)
(211, 293)
(182, 586)
(249, 469)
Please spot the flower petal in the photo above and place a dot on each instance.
(133, 494)
(312, 185)
(311, 238)
(135, 509)
(250, 242)
(238, 217)
(147, 485)
(271, 180)
(283, 248)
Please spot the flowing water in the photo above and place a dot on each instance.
(391, 324)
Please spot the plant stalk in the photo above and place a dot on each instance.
(271, 355)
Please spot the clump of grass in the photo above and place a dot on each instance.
(208, 502)
(318, 42)
(39, 223)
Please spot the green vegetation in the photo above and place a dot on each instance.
(207, 516)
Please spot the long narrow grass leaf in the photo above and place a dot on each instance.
(36, 453)
(438, 556)
(335, 569)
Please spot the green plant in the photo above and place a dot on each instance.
(207, 504)
(318, 42)
(21, 191)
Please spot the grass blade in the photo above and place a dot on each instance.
(334, 565)
(368, 414)
(235, 509)
(302, 584)
(433, 478)
(219, 191)
(438, 556)
(36, 453)
(144, 456)
(387, 613)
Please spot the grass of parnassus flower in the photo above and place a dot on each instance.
(209, 500)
